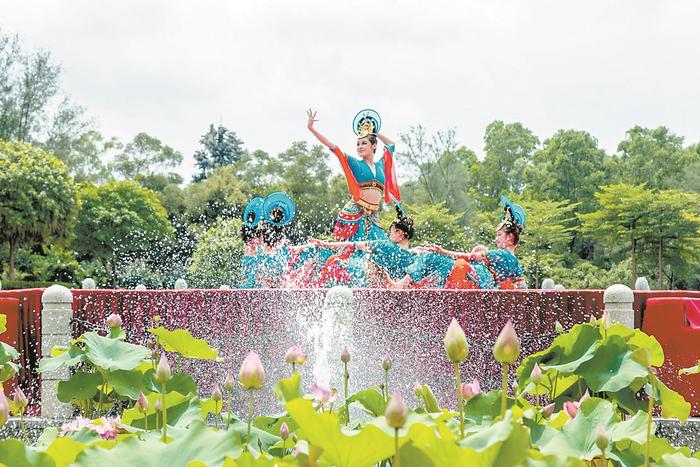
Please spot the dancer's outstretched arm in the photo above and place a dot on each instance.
(323, 243)
(384, 139)
(310, 125)
(453, 254)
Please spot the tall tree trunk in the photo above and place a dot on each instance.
(11, 260)
(661, 265)
(634, 262)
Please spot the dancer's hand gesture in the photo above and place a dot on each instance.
(312, 118)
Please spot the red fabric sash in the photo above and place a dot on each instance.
(391, 185)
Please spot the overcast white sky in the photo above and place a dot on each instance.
(170, 68)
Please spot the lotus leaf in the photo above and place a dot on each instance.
(183, 343)
(613, 368)
(81, 386)
(112, 354)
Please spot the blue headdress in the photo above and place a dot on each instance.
(512, 213)
(278, 209)
(366, 122)
(253, 212)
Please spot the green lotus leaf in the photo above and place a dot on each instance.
(112, 354)
(182, 410)
(80, 386)
(127, 383)
(8, 370)
(372, 401)
(13, 452)
(3, 323)
(505, 442)
(272, 424)
(567, 352)
(180, 382)
(577, 438)
(7, 353)
(257, 436)
(437, 447)
(64, 451)
(693, 370)
(211, 406)
(362, 448)
(485, 407)
(62, 356)
(287, 389)
(677, 460)
(429, 400)
(182, 342)
(673, 405)
(117, 333)
(612, 368)
(537, 459)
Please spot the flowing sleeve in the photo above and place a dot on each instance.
(391, 185)
(353, 186)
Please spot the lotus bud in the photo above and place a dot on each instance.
(396, 411)
(345, 355)
(601, 438)
(252, 374)
(571, 408)
(20, 399)
(228, 382)
(469, 391)
(558, 328)
(294, 437)
(386, 363)
(456, 345)
(295, 355)
(536, 374)
(114, 321)
(418, 389)
(4, 409)
(142, 403)
(507, 346)
(284, 431)
(216, 393)
(163, 374)
(548, 410)
(159, 405)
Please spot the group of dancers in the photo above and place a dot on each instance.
(363, 255)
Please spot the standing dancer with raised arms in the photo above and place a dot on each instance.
(368, 180)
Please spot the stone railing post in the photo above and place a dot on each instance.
(618, 299)
(88, 284)
(56, 314)
(548, 284)
(641, 284)
(180, 284)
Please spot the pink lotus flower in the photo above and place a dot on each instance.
(4, 409)
(507, 346)
(252, 373)
(216, 393)
(76, 425)
(108, 428)
(396, 411)
(386, 362)
(471, 390)
(456, 345)
(228, 382)
(163, 374)
(571, 408)
(295, 355)
(323, 394)
(345, 355)
(284, 431)
(548, 410)
(114, 321)
(536, 374)
(20, 399)
(142, 403)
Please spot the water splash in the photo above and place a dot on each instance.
(332, 334)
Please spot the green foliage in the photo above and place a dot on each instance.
(221, 147)
(8, 368)
(14, 285)
(145, 156)
(217, 258)
(38, 197)
(183, 343)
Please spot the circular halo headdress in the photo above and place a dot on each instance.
(278, 209)
(253, 212)
(366, 122)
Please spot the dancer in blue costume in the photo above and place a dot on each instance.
(501, 263)
(391, 256)
(252, 242)
(368, 181)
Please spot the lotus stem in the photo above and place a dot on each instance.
(228, 420)
(650, 414)
(294, 368)
(165, 414)
(386, 386)
(604, 459)
(397, 456)
(217, 412)
(145, 421)
(250, 417)
(346, 377)
(504, 389)
(460, 401)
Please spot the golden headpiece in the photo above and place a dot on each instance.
(366, 122)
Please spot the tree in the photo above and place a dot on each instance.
(624, 213)
(222, 194)
(217, 259)
(433, 224)
(28, 83)
(509, 148)
(118, 222)
(570, 166)
(221, 147)
(37, 197)
(654, 157)
(145, 156)
(544, 243)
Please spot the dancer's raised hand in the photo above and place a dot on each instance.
(312, 118)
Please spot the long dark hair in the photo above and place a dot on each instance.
(513, 228)
(272, 234)
(248, 233)
(403, 223)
